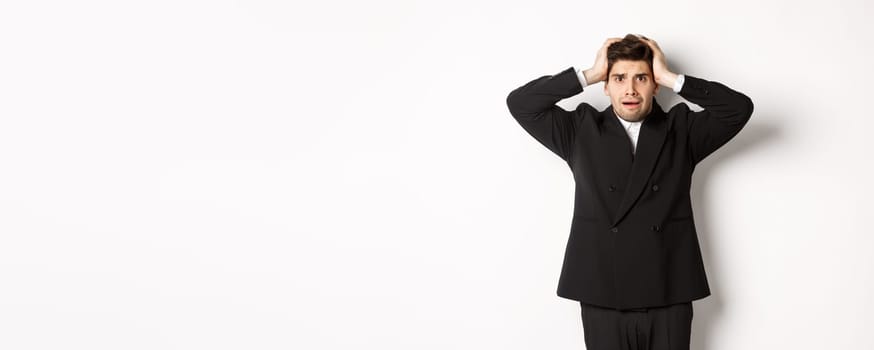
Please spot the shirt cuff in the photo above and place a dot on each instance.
(582, 77)
(678, 84)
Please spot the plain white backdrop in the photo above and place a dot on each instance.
(346, 175)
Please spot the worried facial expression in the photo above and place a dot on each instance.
(631, 87)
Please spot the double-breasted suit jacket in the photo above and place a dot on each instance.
(633, 241)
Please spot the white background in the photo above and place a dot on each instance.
(274, 175)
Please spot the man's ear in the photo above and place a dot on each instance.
(606, 92)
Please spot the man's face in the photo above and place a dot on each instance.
(631, 88)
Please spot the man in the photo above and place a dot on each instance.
(632, 258)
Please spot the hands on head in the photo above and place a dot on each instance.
(661, 74)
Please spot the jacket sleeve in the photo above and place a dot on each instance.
(725, 112)
(533, 106)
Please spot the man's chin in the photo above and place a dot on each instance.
(630, 118)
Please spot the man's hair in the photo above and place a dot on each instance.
(629, 48)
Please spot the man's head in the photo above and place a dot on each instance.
(630, 82)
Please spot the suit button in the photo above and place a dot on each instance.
(611, 188)
(656, 228)
(706, 92)
(614, 229)
(655, 187)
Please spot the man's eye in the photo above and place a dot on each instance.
(618, 78)
(641, 78)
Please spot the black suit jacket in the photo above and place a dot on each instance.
(633, 241)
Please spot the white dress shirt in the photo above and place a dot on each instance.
(633, 128)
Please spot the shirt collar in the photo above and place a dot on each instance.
(627, 124)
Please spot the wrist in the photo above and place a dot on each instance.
(666, 79)
(592, 77)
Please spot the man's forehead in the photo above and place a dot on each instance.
(630, 67)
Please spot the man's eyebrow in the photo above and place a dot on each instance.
(636, 75)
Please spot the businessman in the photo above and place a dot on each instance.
(632, 258)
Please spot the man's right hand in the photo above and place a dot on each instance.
(598, 72)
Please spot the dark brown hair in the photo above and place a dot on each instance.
(629, 48)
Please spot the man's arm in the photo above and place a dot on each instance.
(533, 104)
(725, 113)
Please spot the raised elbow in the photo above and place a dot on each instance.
(747, 107)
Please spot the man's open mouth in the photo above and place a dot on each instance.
(631, 104)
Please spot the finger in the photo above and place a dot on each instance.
(647, 40)
(652, 44)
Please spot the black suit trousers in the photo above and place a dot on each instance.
(655, 328)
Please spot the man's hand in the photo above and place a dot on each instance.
(598, 72)
(660, 70)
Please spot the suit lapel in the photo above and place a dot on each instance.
(616, 142)
(649, 145)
